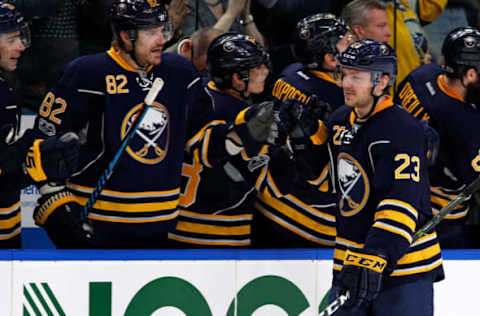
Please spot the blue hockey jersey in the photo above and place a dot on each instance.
(300, 213)
(99, 96)
(10, 214)
(216, 201)
(426, 96)
(381, 180)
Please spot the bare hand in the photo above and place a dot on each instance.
(246, 9)
(236, 6)
(177, 11)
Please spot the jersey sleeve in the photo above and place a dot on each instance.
(402, 188)
(69, 105)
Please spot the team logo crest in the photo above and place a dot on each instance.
(153, 3)
(304, 33)
(353, 183)
(470, 42)
(149, 145)
(229, 46)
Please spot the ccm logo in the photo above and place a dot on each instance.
(370, 263)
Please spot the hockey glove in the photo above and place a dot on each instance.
(255, 127)
(53, 159)
(301, 121)
(432, 142)
(62, 217)
(361, 276)
(13, 152)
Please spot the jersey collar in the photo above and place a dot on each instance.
(447, 90)
(387, 103)
(113, 52)
(325, 76)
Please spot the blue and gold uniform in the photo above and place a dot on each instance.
(304, 214)
(10, 214)
(216, 202)
(426, 96)
(382, 186)
(99, 96)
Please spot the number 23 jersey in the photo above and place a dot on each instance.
(383, 190)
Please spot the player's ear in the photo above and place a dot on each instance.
(471, 76)
(185, 48)
(125, 39)
(382, 84)
(237, 82)
(329, 61)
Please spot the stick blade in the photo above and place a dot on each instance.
(154, 90)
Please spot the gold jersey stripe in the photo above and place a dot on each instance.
(213, 229)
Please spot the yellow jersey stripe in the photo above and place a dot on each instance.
(10, 208)
(420, 255)
(10, 222)
(215, 217)
(213, 229)
(131, 207)
(297, 216)
(400, 204)
(394, 230)
(209, 242)
(397, 217)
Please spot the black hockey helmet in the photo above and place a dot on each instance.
(231, 53)
(11, 20)
(132, 15)
(376, 57)
(461, 48)
(316, 36)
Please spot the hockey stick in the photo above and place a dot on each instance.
(424, 230)
(152, 94)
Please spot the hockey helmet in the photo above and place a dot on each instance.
(11, 20)
(132, 15)
(232, 53)
(461, 48)
(376, 57)
(316, 36)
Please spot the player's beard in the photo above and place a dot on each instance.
(473, 94)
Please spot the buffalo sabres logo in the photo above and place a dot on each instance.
(304, 33)
(470, 42)
(150, 142)
(229, 46)
(353, 183)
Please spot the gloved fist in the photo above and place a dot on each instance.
(63, 218)
(301, 120)
(53, 159)
(255, 127)
(432, 142)
(361, 276)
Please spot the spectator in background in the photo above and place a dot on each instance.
(375, 19)
(457, 13)
(195, 47)
(236, 18)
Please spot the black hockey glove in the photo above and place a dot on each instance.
(361, 276)
(255, 127)
(300, 120)
(62, 217)
(53, 159)
(12, 153)
(432, 142)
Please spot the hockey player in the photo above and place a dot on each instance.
(100, 95)
(22, 161)
(382, 185)
(319, 39)
(216, 203)
(448, 98)
(304, 217)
